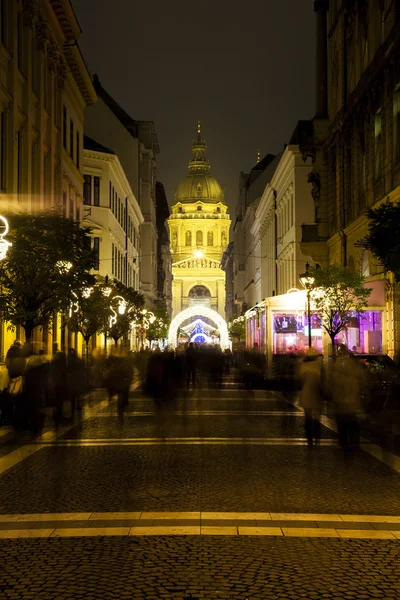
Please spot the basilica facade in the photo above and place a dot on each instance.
(199, 233)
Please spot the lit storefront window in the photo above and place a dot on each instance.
(364, 333)
(290, 333)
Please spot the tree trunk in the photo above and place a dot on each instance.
(87, 340)
(333, 347)
(28, 328)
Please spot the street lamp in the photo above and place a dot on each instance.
(307, 282)
(4, 245)
(121, 307)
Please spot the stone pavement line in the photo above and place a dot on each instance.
(288, 442)
(268, 519)
(208, 413)
(159, 530)
(16, 456)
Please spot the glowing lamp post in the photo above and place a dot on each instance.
(4, 245)
(120, 305)
(307, 282)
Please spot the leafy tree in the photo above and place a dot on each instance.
(158, 330)
(337, 292)
(89, 314)
(384, 236)
(50, 257)
(237, 328)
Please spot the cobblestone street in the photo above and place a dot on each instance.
(216, 497)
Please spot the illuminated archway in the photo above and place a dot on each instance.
(199, 311)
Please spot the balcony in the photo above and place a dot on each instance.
(309, 233)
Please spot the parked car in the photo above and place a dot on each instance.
(382, 381)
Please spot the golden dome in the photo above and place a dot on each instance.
(198, 183)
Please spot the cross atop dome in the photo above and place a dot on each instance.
(199, 162)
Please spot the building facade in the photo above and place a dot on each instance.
(45, 87)
(113, 214)
(285, 205)
(164, 257)
(136, 145)
(251, 187)
(275, 201)
(361, 152)
(199, 231)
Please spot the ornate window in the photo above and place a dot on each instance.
(199, 291)
(210, 238)
(188, 238)
(199, 238)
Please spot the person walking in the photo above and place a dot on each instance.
(310, 396)
(347, 381)
(58, 386)
(191, 365)
(75, 380)
(120, 375)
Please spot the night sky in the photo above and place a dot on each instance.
(245, 69)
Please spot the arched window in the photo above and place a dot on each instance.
(199, 238)
(188, 238)
(199, 291)
(210, 238)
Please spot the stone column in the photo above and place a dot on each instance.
(321, 79)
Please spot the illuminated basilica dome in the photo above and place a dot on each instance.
(199, 232)
(198, 184)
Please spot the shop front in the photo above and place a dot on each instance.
(290, 332)
(287, 329)
(364, 334)
(256, 332)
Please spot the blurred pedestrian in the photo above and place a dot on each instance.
(75, 380)
(58, 385)
(15, 361)
(310, 395)
(36, 390)
(120, 375)
(347, 382)
(191, 365)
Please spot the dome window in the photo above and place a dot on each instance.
(179, 208)
(218, 209)
(199, 207)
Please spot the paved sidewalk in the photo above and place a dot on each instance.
(214, 496)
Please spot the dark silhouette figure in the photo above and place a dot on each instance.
(58, 385)
(191, 365)
(75, 379)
